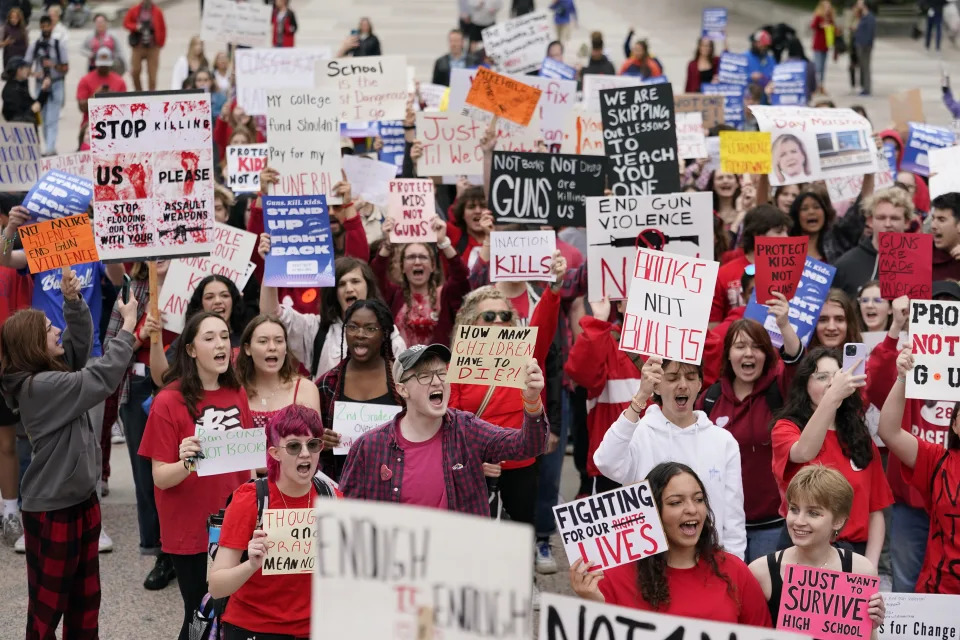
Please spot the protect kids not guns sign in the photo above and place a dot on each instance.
(492, 356)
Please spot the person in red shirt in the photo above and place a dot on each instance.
(935, 474)
(278, 605)
(823, 19)
(102, 78)
(694, 577)
(201, 390)
(148, 33)
(464, 226)
(284, 23)
(822, 423)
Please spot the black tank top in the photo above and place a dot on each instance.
(776, 581)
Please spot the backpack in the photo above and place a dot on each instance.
(772, 395)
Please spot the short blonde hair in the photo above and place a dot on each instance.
(468, 309)
(894, 196)
(824, 487)
(224, 194)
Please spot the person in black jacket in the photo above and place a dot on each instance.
(457, 58)
(18, 104)
(367, 43)
(598, 64)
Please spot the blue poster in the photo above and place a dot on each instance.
(550, 68)
(361, 129)
(734, 69)
(301, 245)
(391, 133)
(921, 139)
(790, 83)
(733, 100)
(890, 153)
(714, 24)
(804, 307)
(58, 194)
(655, 80)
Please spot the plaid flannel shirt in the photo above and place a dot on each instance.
(140, 290)
(374, 467)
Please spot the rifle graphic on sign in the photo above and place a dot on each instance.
(649, 239)
(180, 232)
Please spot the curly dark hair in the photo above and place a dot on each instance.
(852, 432)
(652, 570)
(829, 215)
(195, 305)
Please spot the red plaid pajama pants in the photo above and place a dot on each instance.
(63, 571)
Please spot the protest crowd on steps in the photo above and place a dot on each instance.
(305, 282)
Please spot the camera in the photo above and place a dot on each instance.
(850, 350)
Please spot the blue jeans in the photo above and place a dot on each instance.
(51, 117)
(908, 544)
(134, 423)
(820, 62)
(934, 21)
(551, 464)
(761, 542)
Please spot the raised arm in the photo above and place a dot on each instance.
(511, 444)
(808, 446)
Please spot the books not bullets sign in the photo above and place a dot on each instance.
(935, 338)
(668, 306)
(611, 528)
(492, 356)
(518, 256)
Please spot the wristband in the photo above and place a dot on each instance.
(347, 205)
(446, 244)
(531, 408)
(901, 379)
(409, 127)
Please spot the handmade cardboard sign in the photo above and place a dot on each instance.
(831, 605)
(59, 194)
(906, 107)
(20, 151)
(244, 164)
(451, 145)
(745, 152)
(303, 130)
(77, 164)
(517, 45)
(613, 528)
(519, 256)
(412, 206)
(492, 356)
(503, 97)
(59, 242)
(289, 542)
(235, 22)
(934, 336)
(805, 305)
(668, 306)
(691, 143)
(905, 265)
(369, 178)
(583, 134)
(229, 450)
(779, 265)
(710, 107)
(301, 245)
(370, 88)
(353, 419)
(259, 71)
(909, 616)
(843, 191)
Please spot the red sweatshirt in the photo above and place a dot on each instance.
(713, 356)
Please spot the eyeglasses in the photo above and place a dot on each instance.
(313, 446)
(491, 316)
(368, 330)
(426, 377)
(823, 376)
(417, 258)
(873, 300)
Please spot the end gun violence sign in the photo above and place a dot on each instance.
(830, 604)
(935, 338)
(492, 356)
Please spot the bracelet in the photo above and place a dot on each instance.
(347, 205)
(901, 379)
(409, 127)
(635, 406)
(446, 244)
(533, 408)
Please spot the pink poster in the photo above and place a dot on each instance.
(829, 605)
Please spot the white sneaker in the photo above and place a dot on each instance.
(20, 546)
(106, 544)
(544, 561)
(12, 528)
(116, 433)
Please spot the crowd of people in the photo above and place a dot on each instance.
(759, 458)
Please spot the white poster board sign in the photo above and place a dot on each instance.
(262, 70)
(451, 145)
(691, 143)
(519, 44)
(920, 615)
(247, 24)
(583, 134)
(934, 334)
(78, 164)
(226, 451)
(369, 178)
(593, 84)
(518, 256)
(20, 146)
(303, 134)
(353, 419)
(244, 164)
(370, 88)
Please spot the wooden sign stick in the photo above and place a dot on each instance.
(154, 298)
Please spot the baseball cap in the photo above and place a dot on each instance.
(945, 289)
(416, 354)
(762, 38)
(104, 57)
(12, 65)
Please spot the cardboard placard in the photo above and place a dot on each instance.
(543, 188)
(691, 143)
(503, 97)
(583, 134)
(745, 152)
(368, 178)
(244, 164)
(370, 88)
(594, 83)
(492, 356)
(246, 24)
(844, 191)
(229, 450)
(779, 265)
(153, 166)
(805, 306)
(451, 145)
(710, 107)
(909, 616)
(77, 164)
(668, 306)
(303, 130)
(680, 223)
(612, 528)
(905, 107)
(517, 45)
(789, 83)
(289, 541)
(934, 335)
(412, 205)
(521, 256)
(261, 70)
(640, 138)
(301, 245)
(353, 419)
(59, 242)
(20, 152)
(921, 139)
(830, 604)
(905, 265)
(58, 194)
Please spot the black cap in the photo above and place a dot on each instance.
(946, 289)
(414, 355)
(13, 64)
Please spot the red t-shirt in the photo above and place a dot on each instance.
(726, 294)
(16, 292)
(521, 304)
(184, 509)
(696, 592)
(266, 604)
(871, 492)
(942, 497)
(91, 83)
(423, 482)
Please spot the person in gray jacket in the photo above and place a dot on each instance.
(45, 379)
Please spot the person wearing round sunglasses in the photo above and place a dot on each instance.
(274, 606)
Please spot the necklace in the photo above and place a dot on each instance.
(309, 499)
(264, 399)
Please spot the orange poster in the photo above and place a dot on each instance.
(503, 96)
(60, 242)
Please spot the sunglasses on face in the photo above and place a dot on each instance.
(294, 447)
(491, 316)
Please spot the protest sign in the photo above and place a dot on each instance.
(568, 618)
(733, 69)
(77, 164)
(745, 152)
(431, 95)
(289, 541)
(640, 138)
(517, 45)
(451, 145)
(905, 265)
(732, 100)
(244, 164)
(381, 565)
(789, 83)
(830, 604)
(613, 528)
(905, 107)
(944, 171)
(668, 306)
(19, 156)
(303, 131)
(353, 419)
(247, 24)
(908, 616)
(153, 166)
(843, 191)
(227, 449)
(710, 107)
(492, 356)
(594, 83)
(502, 96)
(301, 245)
(680, 223)
(816, 144)
(369, 88)
(412, 206)
(921, 140)
(391, 134)
(779, 265)
(259, 71)
(550, 68)
(805, 305)
(518, 256)
(229, 257)
(368, 178)
(691, 143)
(713, 24)
(934, 336)
(583, 134)
(58, 194)
(59, 242)
(543, 188)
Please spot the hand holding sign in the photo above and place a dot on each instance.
(586, 583)
(534, 383)
(779, 264)
(257, 548)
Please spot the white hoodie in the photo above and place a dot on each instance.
(628, 453)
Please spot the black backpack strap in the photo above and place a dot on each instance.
(711, 396)
(322, 488)
(846, 560)
(263, 499)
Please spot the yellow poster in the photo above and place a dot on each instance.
(745, 152)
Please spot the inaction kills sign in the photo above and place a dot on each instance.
(544, 188)
(519, 256)
(935, 338)
(640, 139)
